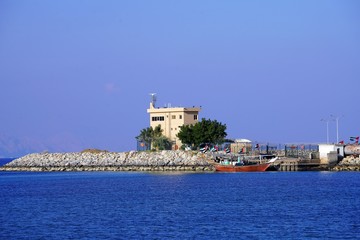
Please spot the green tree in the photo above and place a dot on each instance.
(205, 131)
(157, 132)
(186, 134)
(152, 137)
(146, 136)
(162, 143)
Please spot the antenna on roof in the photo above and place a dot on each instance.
(153, 99)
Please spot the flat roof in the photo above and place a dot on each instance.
(173, 109)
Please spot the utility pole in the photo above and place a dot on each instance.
(336, 118)
(327, 129)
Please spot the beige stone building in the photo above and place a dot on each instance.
(171, 119)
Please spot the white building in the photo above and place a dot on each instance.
(325, 149)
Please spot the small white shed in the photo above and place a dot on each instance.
(326, 148)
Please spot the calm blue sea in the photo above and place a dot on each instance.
(118, 205)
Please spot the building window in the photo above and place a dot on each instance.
(155, 119)
(180, 116)
(195, 117)
(173, 117)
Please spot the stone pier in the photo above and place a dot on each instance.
(112, 161)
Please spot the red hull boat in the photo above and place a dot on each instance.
(243, 168)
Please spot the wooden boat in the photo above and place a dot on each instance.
(259, 167)
(243, 168)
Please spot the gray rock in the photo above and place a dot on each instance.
(112, 161)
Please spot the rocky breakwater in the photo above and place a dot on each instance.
(350, 163)
(112, 161)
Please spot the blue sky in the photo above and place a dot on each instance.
(77, 74)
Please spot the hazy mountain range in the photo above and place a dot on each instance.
(18, 146)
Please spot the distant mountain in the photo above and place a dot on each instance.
(16, 147)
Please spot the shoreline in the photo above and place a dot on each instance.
(159, 161)
(113, 161)
(111, 169)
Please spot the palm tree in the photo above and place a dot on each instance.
(146, 136)
(157, 132)
(152, 137)
(162, 143)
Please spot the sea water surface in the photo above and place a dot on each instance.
(119, 205)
